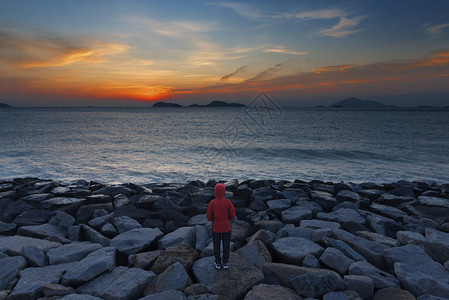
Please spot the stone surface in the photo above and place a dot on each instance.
(143, 260)
(255, 252)
(62, 219)
(342, 215)
(184, 236)
(80, 297)
(32, 217)
(178, 253)
(94, 236)
(293, 250)
(295, 214)
(71, 252)
(344, 248)
(196, 289)
(404, 237)
(125, 223)
(135, 240)
(363, 285)
(393, 293)
(34, 256)
(7, 228)
(334, 259)
(324, 199)
(434, 201)
(9, 270)
(44, 231)
(166, 295)
(270, 292)
(54, 289)
(92, 265)
(380, 278)
(174, 277)
(419, 283)
(319, 224)
(376, 237)
(311, 261)
(13, 244)
(99, 221)
(234, 282)
(121, 283)
(240, 230)
(202, 238)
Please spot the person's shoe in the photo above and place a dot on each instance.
(217, 266)
(225, 266)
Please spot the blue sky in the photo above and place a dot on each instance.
(300, 52)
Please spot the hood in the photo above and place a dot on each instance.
(219, 191)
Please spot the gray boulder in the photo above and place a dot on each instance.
(376, 237)
(62, 219)
(346, 195)
(178, 253)
(256, 253)
(319, 224)
(380, 278)
(80, 297)
(121, 283)
(295, 214)
(174, 277)
(279, 205)
(404, 237)
(344, 248)
(170, 294)
(418, 283)
(342, 215)
(57, 290)
(393, 293)
(94, 236)
(293, 250)
(71, 252)
(135, 240)
(44, 231)
(58, 202)
(202, 238)
(240, 230)
(311, 261)
(316, 282)
(324, 199)
(143, 260)
(198, 220)
(13, 244)
(99, 221)
(184, 236)
(32, 217)
(234, 282)
(434, 201)
(113, 190)
(9, 269)
(125, 223)
(89, 267)
(388, 211)
(7, 228)
(34, 256)
(336, 260)
(363, 285)
(270, 292)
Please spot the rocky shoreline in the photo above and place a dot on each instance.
(290, 240)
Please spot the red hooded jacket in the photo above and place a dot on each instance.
(220, 210)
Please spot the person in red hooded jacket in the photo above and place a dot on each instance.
(220, 211)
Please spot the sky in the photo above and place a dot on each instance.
(301, 53)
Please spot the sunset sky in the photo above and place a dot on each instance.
(108, 53)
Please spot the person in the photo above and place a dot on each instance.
(220, 211)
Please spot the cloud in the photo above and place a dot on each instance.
(339, 68)
(436, 29)
(280, 49)
(346, 23)
(245, 10)
(43, 51)
(238, 71)
(270, 72)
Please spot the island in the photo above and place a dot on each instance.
(4, 105)
(166, 104)
(215, 103)
(354, 102)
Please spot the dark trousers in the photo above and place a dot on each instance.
(217, 238)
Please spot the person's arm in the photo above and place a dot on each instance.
(231, 211)
(209, 212)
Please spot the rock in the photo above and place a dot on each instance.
(14, 244)
(323, 187)
(439, 252)
(85, 212)
(99, 221)
(417, 258)
(135, 240)
(346, 195)
(174, 277)
(380, 278)
(121, 200)
(437, 236)
(311, 261)
(198, 220)
(342, 215)
(234, 282)
(74, 233)
(363, 285)
(109, 230)
(262, 235)
(376, 237)
(54, 289)
(7, 228)
(343, 295)
(196, 289)
(121, 283)
(34, 256)
(178, 253)
(295, 214)
(298, 232)
(269, 292)
(143, 260)
(125, 223)
(372, 251)
(258, 205)
(184, 236)
(392, 200)
(434, 201)
(92, 265)
(388, 211)
(79, 297)
(383, 225)
(419, 283)
(114, 190)
(17, 207)
(255, 252)
(147, 201)
(62, 219)
(98, 198)
(269, 225)
(324, 199)
(170, 294)
(209, 250)
(293, 194)
(319, 224)
(44, 231)
(202, 238)
(393, 293)
(293, 250)
(33, 217)
(94, 236)
(336, 260)
(404, 237)
(9, 270)
(58, 202)
(344, 248)
(279, 205)
(32, 280)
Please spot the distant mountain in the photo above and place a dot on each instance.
(166, 104)
(357, 103)
(4, 105)
(219, 104)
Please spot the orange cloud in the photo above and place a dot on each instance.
(338, 69)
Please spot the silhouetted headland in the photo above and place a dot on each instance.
(211, 104)
(360, 104)
(4, 105)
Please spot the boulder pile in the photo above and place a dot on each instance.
(290, 240)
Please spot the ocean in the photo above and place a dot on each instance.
(147, 145)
